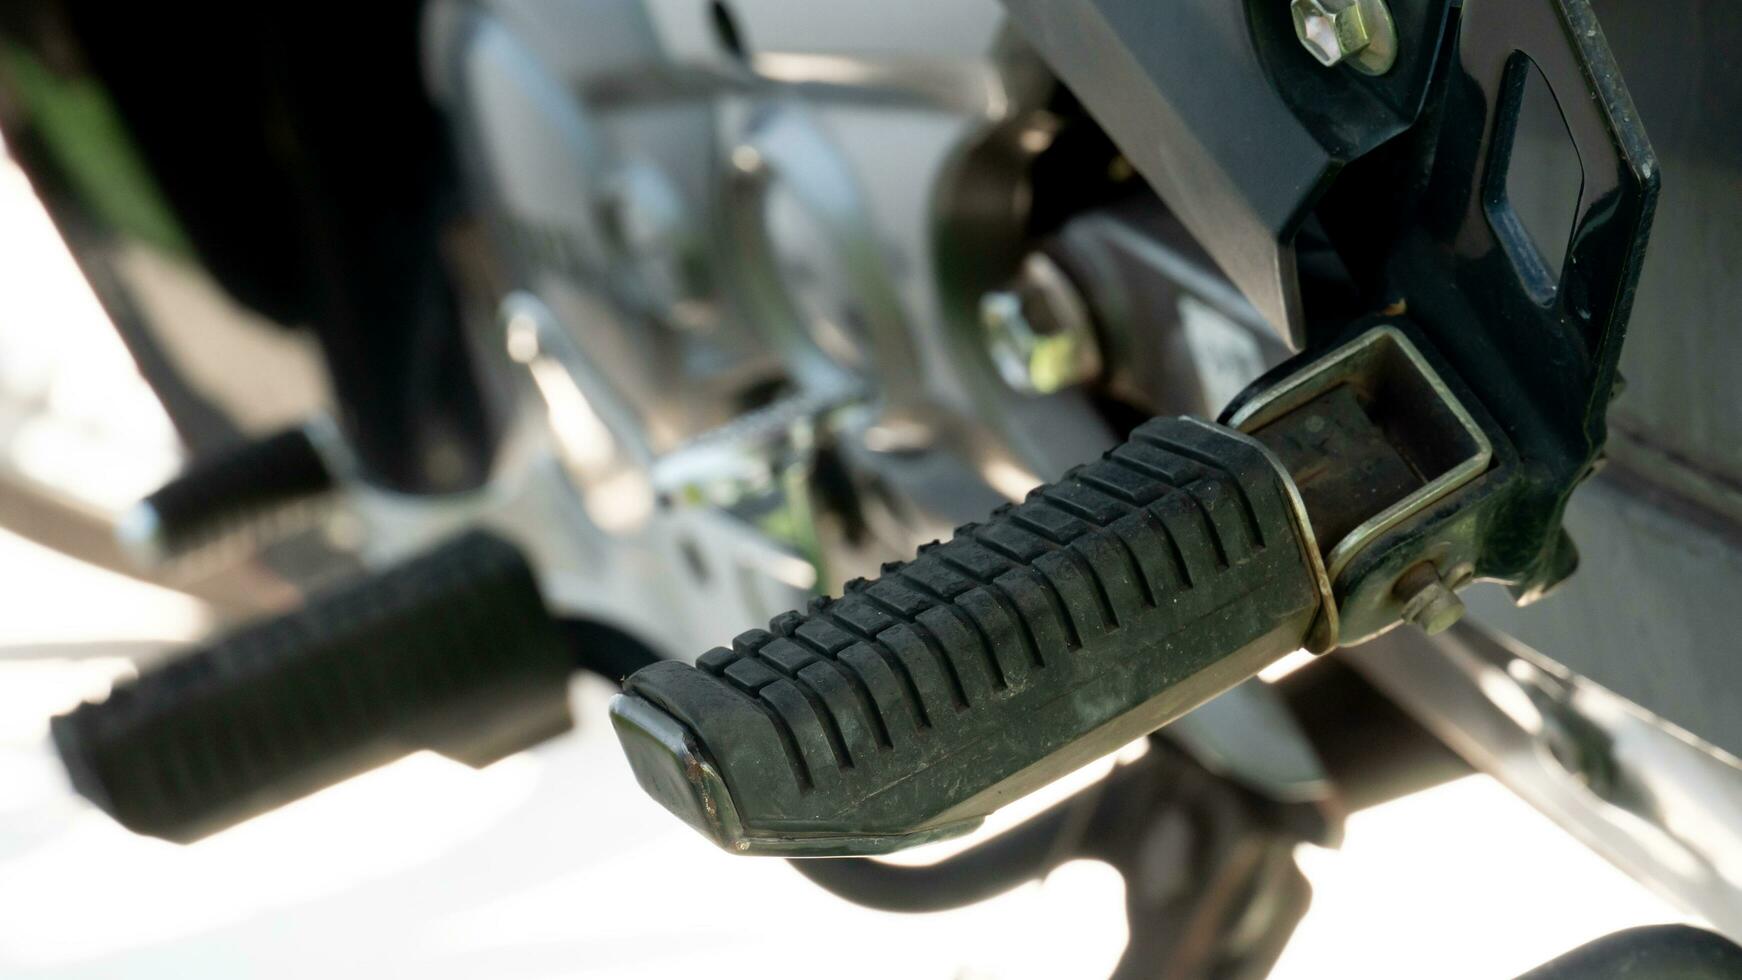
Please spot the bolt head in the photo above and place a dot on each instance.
(1332, 31)
(1434, 610)
(1038, 331)
(1428, 601)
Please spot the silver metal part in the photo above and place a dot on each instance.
(1358, 33)
(1038, 330)
(710, 230)
(1658, 802)
(648, 224)
(610, 539)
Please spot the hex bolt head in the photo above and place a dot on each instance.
(1428, 602)
(1359, 33)
(1038, 331)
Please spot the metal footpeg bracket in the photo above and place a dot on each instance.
(1387, 457)
(1097, 610)
(1357, 485)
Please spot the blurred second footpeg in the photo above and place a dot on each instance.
(452, 651)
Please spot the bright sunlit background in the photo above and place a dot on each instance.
(552, 863)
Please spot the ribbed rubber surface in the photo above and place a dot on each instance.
(226, 493)
(1119, 597)
(452, 650)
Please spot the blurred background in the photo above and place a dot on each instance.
(551, 863)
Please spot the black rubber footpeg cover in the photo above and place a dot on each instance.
(243, 492)
(1100, 608)
(452, 651)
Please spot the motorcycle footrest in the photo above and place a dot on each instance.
(451, 651)
(1100, 608)
(251, 493)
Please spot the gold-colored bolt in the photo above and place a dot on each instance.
(1038, 330)
(1360, 33)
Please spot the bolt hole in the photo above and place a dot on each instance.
(726, 31)
(1535, 180)
(693, 560)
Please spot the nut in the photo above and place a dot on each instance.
(1038, 331)
(1428, 602)
(1357, 32)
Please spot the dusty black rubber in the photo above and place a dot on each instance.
(1099, 608)
(452, 651)
(242, 491)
